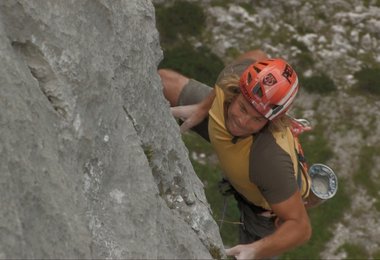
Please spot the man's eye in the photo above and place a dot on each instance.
(257, 119)
(242, 109)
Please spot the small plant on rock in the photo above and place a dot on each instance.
(369, 80)
(321, 84)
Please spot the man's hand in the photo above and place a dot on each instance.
(242, 252)
(191, 115)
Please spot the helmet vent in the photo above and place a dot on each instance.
(276, 109)
(263, 63)
(257, 69)
(249, 78)
(257, 90)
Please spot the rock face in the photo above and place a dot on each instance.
(92, 162)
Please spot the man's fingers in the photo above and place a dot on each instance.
(191, 115)
(182, 112)
(231, 251)
(177, 112)
(228, 252)
(186, 125)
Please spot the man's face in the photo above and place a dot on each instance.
(242, 118)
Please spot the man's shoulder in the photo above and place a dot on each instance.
(271, 168)
(267, 153)
(264, 143)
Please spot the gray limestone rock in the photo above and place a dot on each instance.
(92, 164)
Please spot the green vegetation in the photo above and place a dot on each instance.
(369, 3)
(368, 80)
(354, 251)
(266, 32)
(300, 45)
(148, 151)
(321, 84)
(197, 144)
(177, 25)
(363, 173)
(221, 3)
(233, 52)
(372, 125)
(376, 255)
(315, 146)
(199, 63)
(302, 29)
(182, 19)
(322, 16)
(249, 7)
(303, 61)
(215, 252)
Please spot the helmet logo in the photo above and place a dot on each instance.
(288, 72)
(269, 79)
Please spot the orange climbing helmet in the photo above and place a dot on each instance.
(270, 86)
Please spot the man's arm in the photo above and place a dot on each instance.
(173, 84)
(192, 115)
(294, 230)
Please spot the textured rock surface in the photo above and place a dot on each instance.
(92, 163)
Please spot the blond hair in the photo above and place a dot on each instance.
(230, 87)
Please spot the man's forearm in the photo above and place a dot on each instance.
(288, 236)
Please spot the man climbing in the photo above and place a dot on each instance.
(244, 117)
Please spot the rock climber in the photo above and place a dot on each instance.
(244, 116)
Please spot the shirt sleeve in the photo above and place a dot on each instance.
(271, 169)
